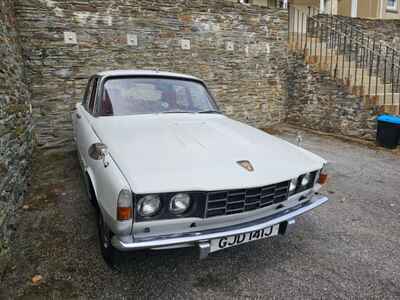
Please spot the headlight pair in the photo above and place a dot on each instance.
(151, 205)
(302, 183)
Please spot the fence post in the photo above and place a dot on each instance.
(344, 52)
(371, 64)
(356, 62)
(307, 28)
(301, 36)
(351, 48)
(378, 63)
(289, 24)
(391, 76)
(384, 76)
(362, 61)
(333, 35)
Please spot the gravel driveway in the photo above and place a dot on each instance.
(349, 248)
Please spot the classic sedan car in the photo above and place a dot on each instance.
(166, 169)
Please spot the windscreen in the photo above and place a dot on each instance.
(133, 95)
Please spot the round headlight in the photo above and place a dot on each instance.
(149, 205)
(293, 185)
(179, 203)
(306, 179)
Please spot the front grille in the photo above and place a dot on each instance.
(229, 202)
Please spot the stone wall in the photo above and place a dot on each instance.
(239, 50)
(318, 102)
(15, 122)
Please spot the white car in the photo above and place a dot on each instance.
(167, 169)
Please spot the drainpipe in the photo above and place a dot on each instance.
(354, 4)
(321, 6)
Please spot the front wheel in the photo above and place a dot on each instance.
(109, 253)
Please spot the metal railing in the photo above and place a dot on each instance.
(351, 56)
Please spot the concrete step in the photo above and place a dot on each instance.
(357, 80)
(381, 101)
(294, 36)
(390, 109)
(309, 43)
(317, 52)
(376, 102)
(349, 71)
(363, 87)
(362, 90)
(380, 89)
(362, 78)
(356, 83)
(388, 99)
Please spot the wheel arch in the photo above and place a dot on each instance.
(92, 187)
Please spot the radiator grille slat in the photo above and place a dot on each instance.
(229, 202)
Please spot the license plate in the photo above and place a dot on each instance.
(239, 239)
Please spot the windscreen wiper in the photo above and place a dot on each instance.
(209, 112)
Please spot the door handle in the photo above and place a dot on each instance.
(78, 116)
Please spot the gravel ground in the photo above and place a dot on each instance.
(349, 248)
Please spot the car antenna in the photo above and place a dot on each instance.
(299, 139)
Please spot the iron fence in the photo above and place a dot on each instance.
(370, 67)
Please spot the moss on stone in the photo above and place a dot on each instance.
(16, 108)
(19, 131)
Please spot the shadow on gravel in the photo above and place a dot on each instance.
(56, 238)
(349, 248)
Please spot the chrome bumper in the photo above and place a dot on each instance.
(202, 238)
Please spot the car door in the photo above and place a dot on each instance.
(105, 175)
(86, 137)
(83, 135)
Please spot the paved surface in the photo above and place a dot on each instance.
(349, 248)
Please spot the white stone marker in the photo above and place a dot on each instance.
(230, 46)
(185, 44)
(70, 38)
(132, 39)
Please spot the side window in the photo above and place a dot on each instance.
(88, 92)
(391, 5)
(92, 95)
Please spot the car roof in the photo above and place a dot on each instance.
(113, 73)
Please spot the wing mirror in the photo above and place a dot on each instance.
(98, 151)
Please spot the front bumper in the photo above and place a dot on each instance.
(202, 238)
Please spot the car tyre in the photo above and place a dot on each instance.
(109, 253)
(90, 191)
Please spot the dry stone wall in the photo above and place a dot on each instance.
(317, 102)
(15, 123)
(239, 50)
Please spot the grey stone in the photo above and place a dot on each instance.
(15, 124)
(58, 72)
(315, 101)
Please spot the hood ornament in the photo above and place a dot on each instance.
(246, 165)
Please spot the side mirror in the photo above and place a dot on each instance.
(98, 151)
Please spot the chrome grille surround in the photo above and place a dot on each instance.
(227, 202)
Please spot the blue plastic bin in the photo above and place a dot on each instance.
(388, 133)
